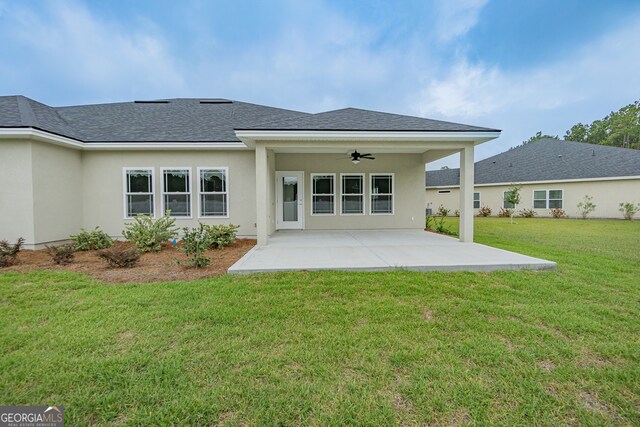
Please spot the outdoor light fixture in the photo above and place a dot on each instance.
(355, 161)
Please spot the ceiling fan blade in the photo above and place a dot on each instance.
(368, 157)
(364, 155)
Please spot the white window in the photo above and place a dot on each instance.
(214, 192)
(476, 200)
(381, 194)
(176, 192)
(323, 192)
(138, 192)
(543, 199)
(505, 204)
(352, 194)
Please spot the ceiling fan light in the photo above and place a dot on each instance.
(355, 161)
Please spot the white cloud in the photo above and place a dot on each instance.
(456, 17)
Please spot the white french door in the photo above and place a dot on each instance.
(289, 200)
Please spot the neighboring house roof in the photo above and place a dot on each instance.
(548, 159)
(196, 120)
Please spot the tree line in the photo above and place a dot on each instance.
(618, 129)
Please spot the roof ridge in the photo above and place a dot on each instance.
(27, 116)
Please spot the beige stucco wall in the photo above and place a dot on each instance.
(607, 195)
(57, 189)
(408, 170)
(16, 191)
(103, 198)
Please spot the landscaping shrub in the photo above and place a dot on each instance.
(558, 213)
(484, 211)
(504, 213)
(195, 242)
(512, 195)
(586, 206)
(222, 235)
(62, 254)
(91, 240)
(527, 213)
(456, 213)
(437, 224)
(120, 256)
(629, 210)
(147, 234)
(442, 211)
(9, 252)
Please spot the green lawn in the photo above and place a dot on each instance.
(518, 348)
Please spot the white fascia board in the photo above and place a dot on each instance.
(250, 137)
(552, 181)
(38, 135)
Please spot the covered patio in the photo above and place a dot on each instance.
(378, 250)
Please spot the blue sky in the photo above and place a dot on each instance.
(521, 66)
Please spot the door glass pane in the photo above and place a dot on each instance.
(290, 198)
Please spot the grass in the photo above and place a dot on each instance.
(329, 348)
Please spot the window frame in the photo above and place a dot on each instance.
(392, 194)
(312, 194)
(125, 193)
(189, 193)
(226, 192)
(363, 194)
(547, 199)
(479, 200)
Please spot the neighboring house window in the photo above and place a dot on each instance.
(505, 204)
(476, 200)
(543, 199)
(323, 192)
(381, 194)
(176, 191)
(138, 192)
(214, 192)
(352, 202)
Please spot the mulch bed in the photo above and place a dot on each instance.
(152, 267)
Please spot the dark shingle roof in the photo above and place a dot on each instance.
(547, 160)
(355, 119)
(196, 120)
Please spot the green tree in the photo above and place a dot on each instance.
(537, 137)
(512, 195)
(578, 133)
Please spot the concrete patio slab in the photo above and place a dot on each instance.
(378, 250)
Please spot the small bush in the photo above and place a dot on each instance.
(456, 213)
(120, 256)
(148, 235)
(437, 224)
(504, 213)
(195, 242)
(222, 235)
(9, 252)
(484, 211)
(558, 213)
(586, 206)
(629, 210)
(91, 240)
(62, 254)
(527, 213)
(442, 211)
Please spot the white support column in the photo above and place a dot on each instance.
(262, 194)
(466, 193)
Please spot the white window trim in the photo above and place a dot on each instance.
(190, 192)
(314, 194)
(199, 192)
(363, 194)
(393, 192)
(125, 193)
(546, 198)
(479, 199)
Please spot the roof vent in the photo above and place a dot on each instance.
(215, 101)
(593, 153)
(153, 101)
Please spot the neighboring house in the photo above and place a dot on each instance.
(218, 161)
(553, 174)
